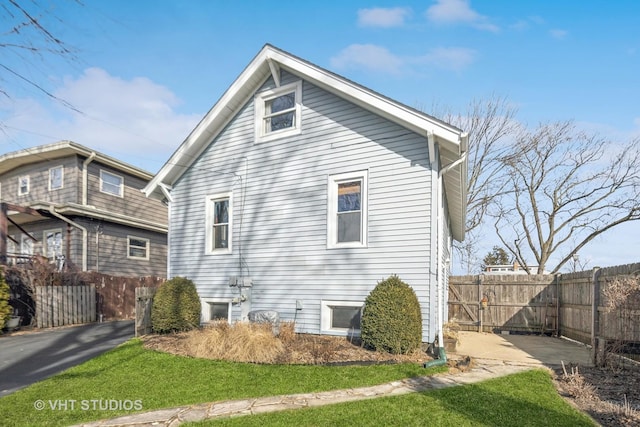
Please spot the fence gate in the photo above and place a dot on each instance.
(144, 301)
(518, 303)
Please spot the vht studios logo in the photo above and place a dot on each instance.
(88, 405)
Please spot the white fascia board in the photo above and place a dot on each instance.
(211, 124)
(448, 137)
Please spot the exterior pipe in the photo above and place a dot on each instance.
(85, 176)
(85, 234)
(442, 355)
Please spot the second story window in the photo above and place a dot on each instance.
(56, 178)
(278, 112)
(23, 185)
(111, 183)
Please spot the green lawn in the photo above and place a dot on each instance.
(131, 375)
(524, 399)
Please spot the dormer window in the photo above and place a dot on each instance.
(278, 112)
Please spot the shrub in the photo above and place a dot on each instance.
(176, 306)
(391, 320)
(5, 309)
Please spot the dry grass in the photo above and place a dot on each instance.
(259, 343)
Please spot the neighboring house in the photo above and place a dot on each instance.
(514, 268)
(81, 209)
(300, 190)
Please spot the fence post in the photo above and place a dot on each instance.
(595, 316)
(144, 301)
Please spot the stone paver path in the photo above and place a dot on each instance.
(482, 370)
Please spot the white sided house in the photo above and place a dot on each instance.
(300, 190)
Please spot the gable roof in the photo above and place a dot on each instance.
(48, 152)
(451, 140)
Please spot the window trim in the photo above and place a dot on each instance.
(61, 167)
(120, 187)
(325, 317)
(20, 192)
(26, 242)
(210, 215)
(45, 246)
(332, 209)
(205, 303)
(260, 101)
(147, 248)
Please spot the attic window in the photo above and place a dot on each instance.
(278, 112)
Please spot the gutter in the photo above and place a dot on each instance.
(85, 234)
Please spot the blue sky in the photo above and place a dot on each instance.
(146, 71)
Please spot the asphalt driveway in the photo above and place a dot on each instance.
(33, 356)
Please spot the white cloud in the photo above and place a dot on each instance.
(379, 59)
(450, 58)
(558, 34)
(369, 57)
(133, 120)
(384, 18)
(458, 11)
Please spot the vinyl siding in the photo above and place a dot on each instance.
(280, 191)
(133, 203)
(39, 183)
(112, 255)
(108, 250)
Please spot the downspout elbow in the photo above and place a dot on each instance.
(440, 361)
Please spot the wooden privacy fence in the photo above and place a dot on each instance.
(522, 303)
(599, 307)
(65, 305)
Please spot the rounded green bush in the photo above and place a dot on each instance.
(176, 306)
(391, 320)
(5, 309)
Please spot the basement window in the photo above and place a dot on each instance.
(216, 309)
(341, 317)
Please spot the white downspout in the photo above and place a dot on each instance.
(440, 250)
(85, 176)
(166, 191)
(85, 234)
(441, 267)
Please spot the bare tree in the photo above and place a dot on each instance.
(566, 187)
(491, 126)
(28, 41)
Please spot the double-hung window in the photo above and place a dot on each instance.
(219, 217)
(111, 183)
(137, 247)
(53, 243)
(277, 112)
(56, 177)
(347, 211)
(23, 185)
